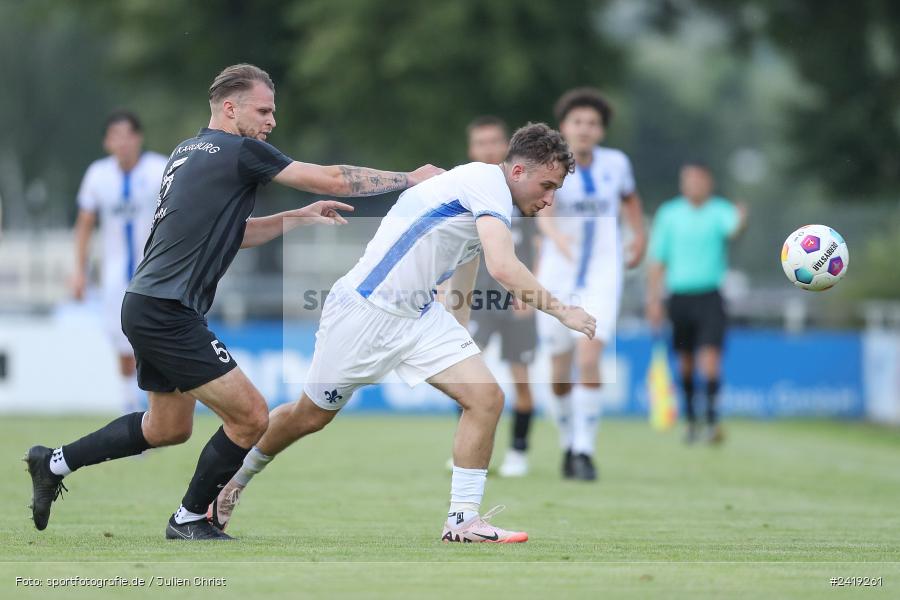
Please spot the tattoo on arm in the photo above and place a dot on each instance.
(369, 182)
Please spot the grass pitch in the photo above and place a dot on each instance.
(356, 510)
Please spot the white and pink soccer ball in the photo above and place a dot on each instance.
(815, 257)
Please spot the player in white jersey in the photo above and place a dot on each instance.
(121, 190)
(382, 316)
(582, 261)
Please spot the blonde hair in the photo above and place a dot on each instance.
(237, 79)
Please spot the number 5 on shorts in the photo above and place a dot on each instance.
(221, 352)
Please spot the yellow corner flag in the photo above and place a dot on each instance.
(661, 390)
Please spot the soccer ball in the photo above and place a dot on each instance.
(815, 257)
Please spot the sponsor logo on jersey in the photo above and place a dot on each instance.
(590, 206)
(202, 147)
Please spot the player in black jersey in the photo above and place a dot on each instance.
(202, 219)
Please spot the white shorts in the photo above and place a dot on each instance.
(112, 321)
(358, 344)
(601, 302)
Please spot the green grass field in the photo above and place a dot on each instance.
(357, 509)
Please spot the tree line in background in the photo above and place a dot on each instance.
(781, 97)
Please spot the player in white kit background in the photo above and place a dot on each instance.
(382, 316)
(121, 191)
(582, 262)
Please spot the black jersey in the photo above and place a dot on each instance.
(207, 194)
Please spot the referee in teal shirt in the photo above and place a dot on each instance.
(689, 257)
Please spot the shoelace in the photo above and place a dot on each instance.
(233, 497)
(493, 512)
(58, 490)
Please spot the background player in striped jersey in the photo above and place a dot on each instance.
(381, 316)
(581, 261)
(121, 190)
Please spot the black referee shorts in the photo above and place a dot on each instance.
(518, 335)
(697, 320)
(172, 344)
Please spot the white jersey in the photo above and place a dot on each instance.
(427, 234)
(586, 209)
(125, 203)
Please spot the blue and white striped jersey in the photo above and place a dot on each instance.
(125, 203)
(586, 209)
(427, 234)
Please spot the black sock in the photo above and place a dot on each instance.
(521, 424)
(118, 439)
(220, 460)
(712, 398)
(687, 386)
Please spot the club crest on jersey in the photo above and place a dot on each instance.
(332, 396)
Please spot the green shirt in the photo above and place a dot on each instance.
(692, 242)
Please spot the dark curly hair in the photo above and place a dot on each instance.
(121, 115)
(540, 144)
(581, 97)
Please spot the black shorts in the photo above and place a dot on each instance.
(518, 335)
(697, 320)
(173, 346)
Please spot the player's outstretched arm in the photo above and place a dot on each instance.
(504, 266)
(84, 227)
(633, 213)
(655, 311)
(345, 180)
(742, 220)
(264, 229)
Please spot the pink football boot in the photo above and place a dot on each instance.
(478, 529)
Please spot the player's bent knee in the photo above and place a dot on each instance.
(317, 424)
(171, 436)
(477, 398)
(248, 426)
(258, 421)
(179, 436)
(315, 420)
(499, 396)
(495, 400)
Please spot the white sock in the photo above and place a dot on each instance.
(254, 462)
(585, 419)
(58, 464)
(564, 420)
(466, 492)
(183, 515)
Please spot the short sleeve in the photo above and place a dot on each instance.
(660, 237)
(259, 161)
(628, 186)
(87, 192)
(483, 191)
(728, 217)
